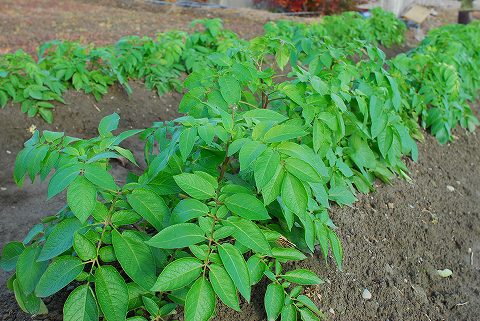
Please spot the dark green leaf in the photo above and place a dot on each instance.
(58, 275)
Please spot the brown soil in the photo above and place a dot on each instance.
(394, 239)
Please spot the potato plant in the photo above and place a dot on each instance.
(159, 62)
(274, 131)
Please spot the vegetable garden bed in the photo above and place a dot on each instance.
(427, 287)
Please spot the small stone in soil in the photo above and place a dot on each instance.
(450, 188)
(366, 294)
(391, 206)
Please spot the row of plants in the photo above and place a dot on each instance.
(159, 62)
(239, 188)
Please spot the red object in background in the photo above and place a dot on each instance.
(323, 6)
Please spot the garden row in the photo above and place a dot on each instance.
(158, 62)
(241, 185)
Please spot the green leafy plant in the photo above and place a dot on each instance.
(237, 188)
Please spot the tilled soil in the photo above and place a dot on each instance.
(394, 239)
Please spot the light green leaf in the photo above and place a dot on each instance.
(58, 275)
(289, 313)
(274, 186)
(178, 274)
(99, 176)
(289, 254)
(230, 89)
(81, 305)
(283, 132)
(256, 267)
(135, 257)
(150, 206)
(177, 236)
(248, 233)
(200, 301)
(249, 153)
(81, 198)
(187, 141)
(338, 102)
(62, 178)
(187, 210)
(195, 185)
(223, 286)
(236, 267)
(264, 115)
(112, 293)
(84, 248)
(294, 195)
(302, 276)
(273, 301)
(265, 167)
(247, 206)
(108, 124)
(341, 195)
(302, 170)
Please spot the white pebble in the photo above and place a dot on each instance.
(366, 294)
(3, 188)
(8, 152)
(450, 188)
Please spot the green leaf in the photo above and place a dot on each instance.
(62, 178)
(10, 253)
(302, 276)
(289, 254)
(308, 315)
(230, 89)
(273, 301)
(302, 170)
(247, 206)
(60, 239)
(187, 210)
(178, 236)
(58, 275)
(236, 267)
(29, 303)
(111, 292)
(100, 177)
(195, 185)
(310, 305)
(29, 271)
(178, 274)
(81, 198)
(108, 124)
(256, 267)
(294, 195)
(249, 153)
(81, 305)
(289, 313)
(283, 132)
(341, 195)
(150, 206)
(338, 102)
(187, 141)
(274, 187)
(264, 115)
(223, 286)
(84, 248)
(282, 56)
(135, 257)
(249, 235)
(336, 248)
(200, 301)
(265, 167)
